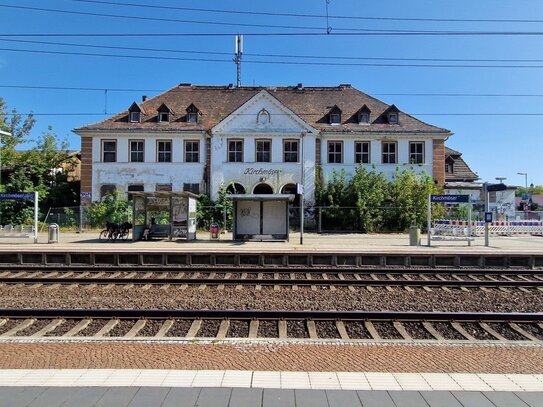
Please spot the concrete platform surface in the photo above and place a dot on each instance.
(311, 242)
(239, 397)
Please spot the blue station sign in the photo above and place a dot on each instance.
(17, 196)
(450, 198)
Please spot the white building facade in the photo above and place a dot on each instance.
(252, 140)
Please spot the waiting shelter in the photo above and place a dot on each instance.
(174, 214)
(261, 217)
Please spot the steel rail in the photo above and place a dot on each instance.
(266, 282)
(262, 315)
(219, 268)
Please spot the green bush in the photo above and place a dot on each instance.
(111, 209)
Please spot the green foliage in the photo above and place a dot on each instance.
(111, 209)
(535, 190)
(369, 191)
(369, 202)
(209, 212)
(37, 169)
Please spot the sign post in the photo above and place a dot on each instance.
(449, 199)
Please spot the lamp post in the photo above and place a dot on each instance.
(525, 179)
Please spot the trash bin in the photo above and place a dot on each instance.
(53, 233)
(214, 231)
(414, 236)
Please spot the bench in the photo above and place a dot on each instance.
(9, 231)
(160, 231)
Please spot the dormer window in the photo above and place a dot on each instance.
(164, 117)
(192, 114)
(335, 115)
(393, 118)
(135, 117)
(164, 113)
(364, 115)
(134, 113)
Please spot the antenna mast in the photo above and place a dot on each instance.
(237, 58)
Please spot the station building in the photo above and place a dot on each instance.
(252, 139)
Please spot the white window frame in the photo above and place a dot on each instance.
(385, 145)
(290, 152)
(109, 152)
(192, 152)
(135, 117)
(359, 155)
(335, 153)
(268, 151)
(158, 151)
(130, 151)
(416, 155)
(235, 151)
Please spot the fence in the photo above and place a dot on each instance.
(500, 228)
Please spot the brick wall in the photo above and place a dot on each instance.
(86, 169)
(439, 161)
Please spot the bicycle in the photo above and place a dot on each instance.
(111, 232)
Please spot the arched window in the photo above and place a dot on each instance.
(235, 188)
(291, 190)
(262, 188)
(263, 117)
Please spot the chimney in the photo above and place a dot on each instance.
(144, 98)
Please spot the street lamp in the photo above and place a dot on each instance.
(525, 179)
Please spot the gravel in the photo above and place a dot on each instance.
(66, 326)
(35, 327)
(209, 328)
(447, 331)
(238, 329)
(327, 329)
(508, 333)
(357, 330)
(179, 328)
(268, 329)
(122, 328)
(93, 327)
(151, 328)
(297, 329)
(477, 332)
(386, 330)
(269, 299)
(12, 323)
(533, 329)
(417, 330)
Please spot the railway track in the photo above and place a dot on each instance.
(153, 324)
(304, 277)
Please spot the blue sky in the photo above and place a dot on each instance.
(499, 137)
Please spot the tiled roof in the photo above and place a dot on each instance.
(461, 171)
(311, 104)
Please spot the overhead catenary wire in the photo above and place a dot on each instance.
(148, 57)
(283, 114)
(105, 88)
(291, 56)
(299, 15)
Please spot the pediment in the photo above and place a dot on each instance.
(263, 114)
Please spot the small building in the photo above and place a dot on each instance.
(261, 216)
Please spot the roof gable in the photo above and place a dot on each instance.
(280, 119)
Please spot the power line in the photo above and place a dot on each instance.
(390, 65)
(318, 16)
(326, 57)
(71, 88)
(168, 20)
(358, 32)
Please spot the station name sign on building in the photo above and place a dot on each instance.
(449, 198)
(260, 171)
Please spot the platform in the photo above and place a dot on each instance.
(164, 388)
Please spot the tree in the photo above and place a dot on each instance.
(369, 191)
(18, 128)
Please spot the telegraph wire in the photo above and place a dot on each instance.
(318, 16)
(281, 114)
(345, 64)
(332, 57)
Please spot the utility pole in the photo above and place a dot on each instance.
(487, 224)
(237, 58)
(301, 189)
